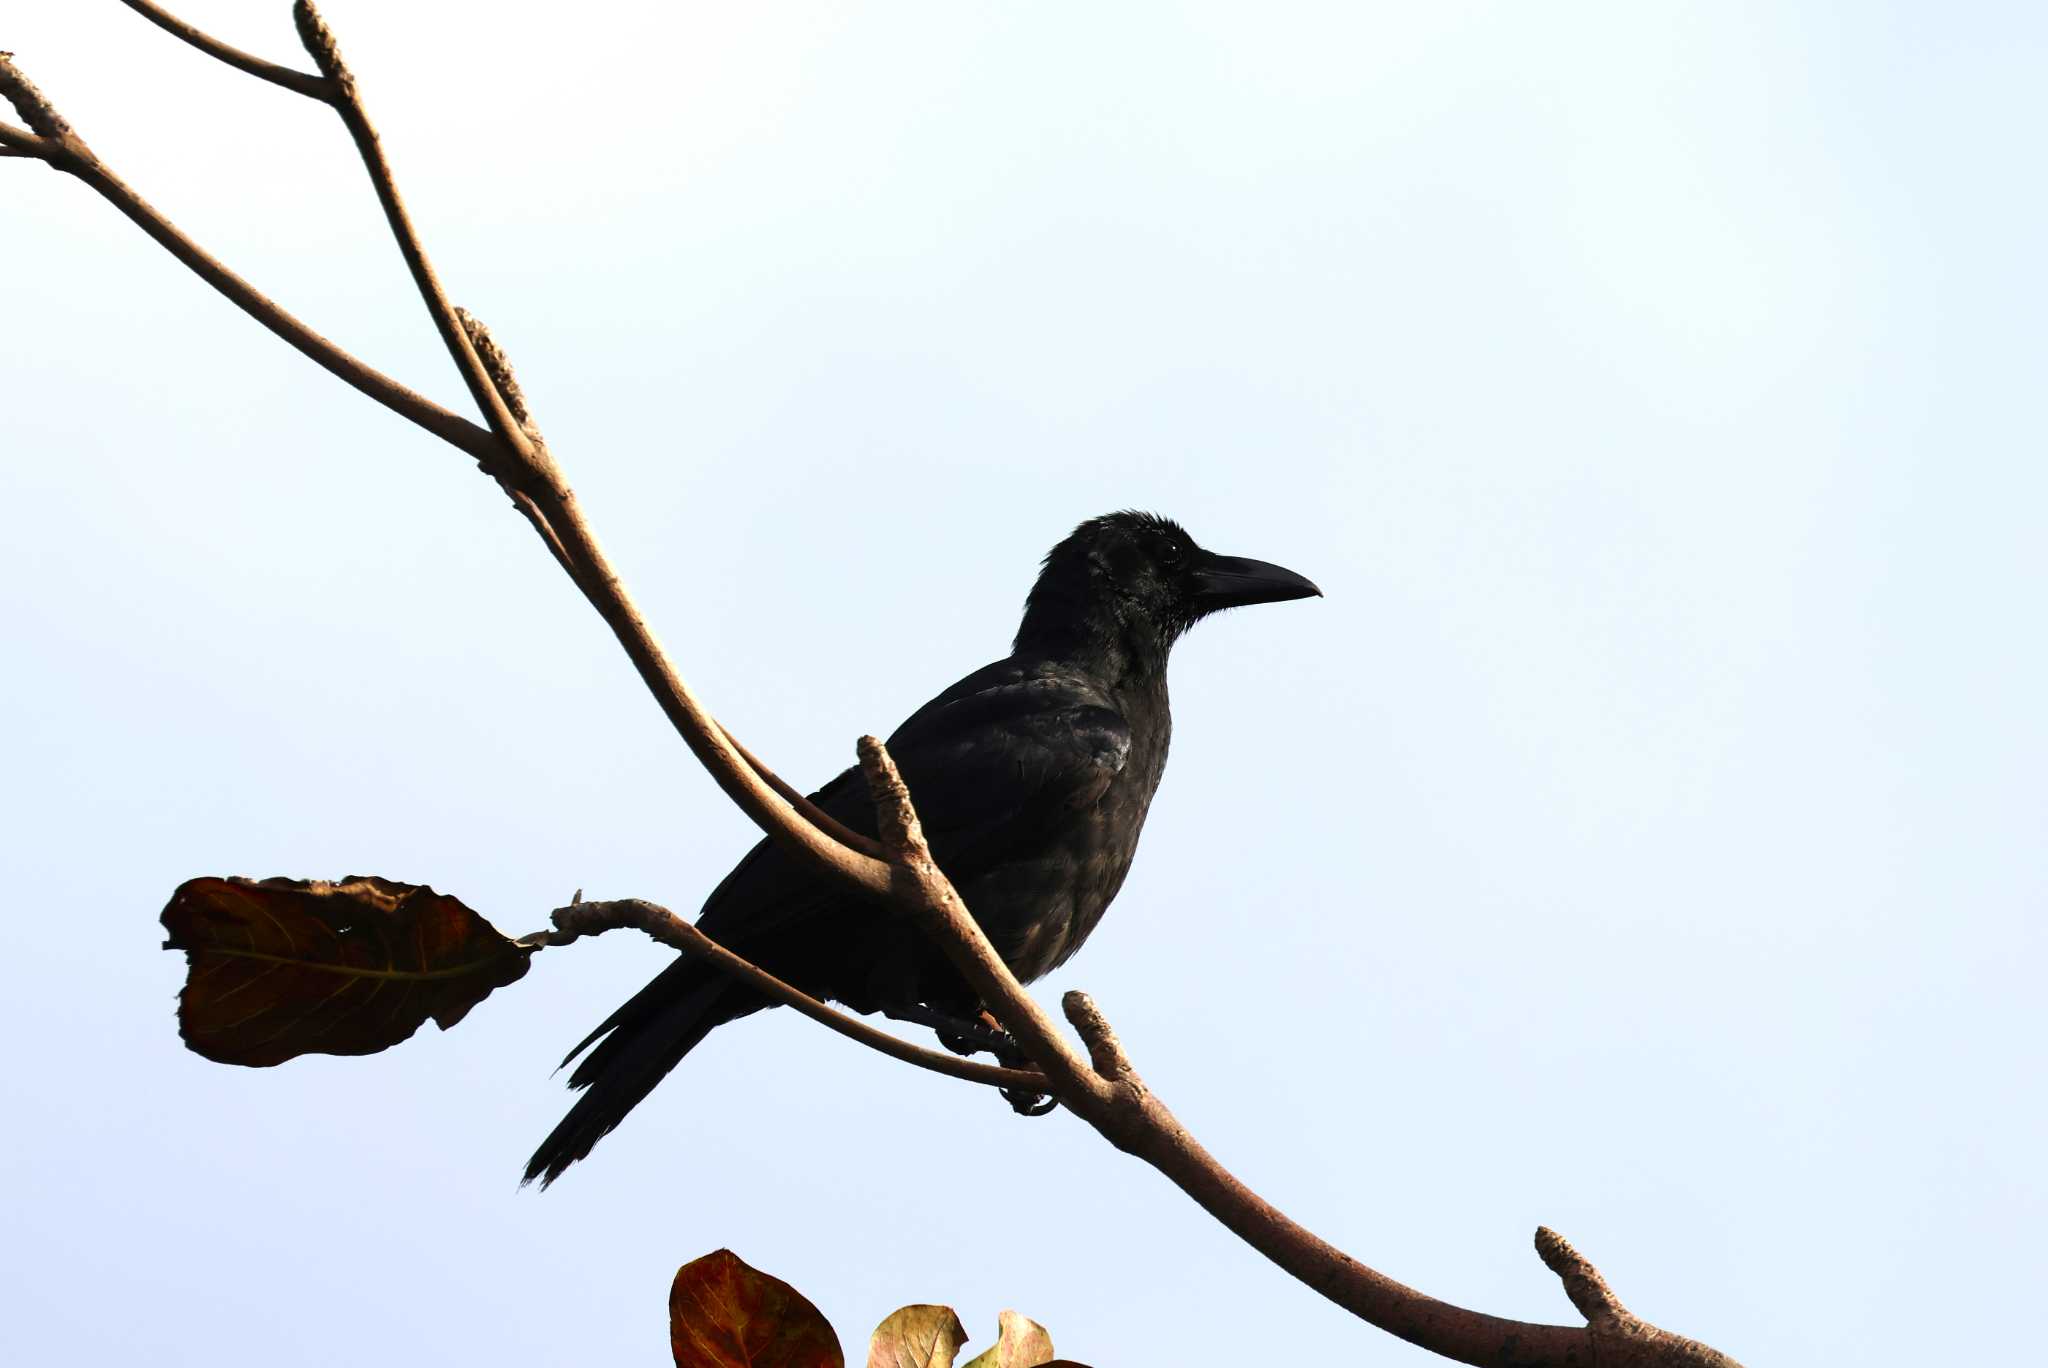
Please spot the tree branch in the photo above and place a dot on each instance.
(312, 87)
(581, 919)
(1105, 1091)
(535, 466)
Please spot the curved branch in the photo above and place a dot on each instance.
(299, 82)
(1105, 1091)
(580, 919)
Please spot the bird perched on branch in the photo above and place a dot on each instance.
(1032, 777)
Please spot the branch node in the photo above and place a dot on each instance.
(320, 45)
(1105, 1051)
(1582, 1282)
(35, 110)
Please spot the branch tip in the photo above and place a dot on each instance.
(896, 819)
(319, 43)
(35, 110)
(1588, 1291)
(1105, 1051)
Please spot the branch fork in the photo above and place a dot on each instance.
(1102, 1086)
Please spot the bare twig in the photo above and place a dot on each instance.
(824, 821)
(581, 919)
(313, 87)
(534, 465)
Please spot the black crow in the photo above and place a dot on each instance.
(1032, 777)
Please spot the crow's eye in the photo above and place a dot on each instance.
(1173, 555)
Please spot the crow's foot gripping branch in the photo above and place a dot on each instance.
(967, 1037)
(958, 1034)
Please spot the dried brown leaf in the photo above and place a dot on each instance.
(724, 1314)
(277, 968)
(1020, 1343)
(917, 1337)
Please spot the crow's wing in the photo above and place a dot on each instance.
(994, 764)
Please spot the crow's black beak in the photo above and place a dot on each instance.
(1233, 582)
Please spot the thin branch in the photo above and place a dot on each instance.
(772, 812)
(300, 82)
(594, 918)
(818, 817)
(326, 54)
(457, 431)
(498, 366)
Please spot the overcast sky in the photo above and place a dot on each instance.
(1642, 838)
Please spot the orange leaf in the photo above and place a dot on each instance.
(724, 1314)
(277, 968)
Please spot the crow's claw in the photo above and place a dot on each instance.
(1026, 1103)
(958, 1034)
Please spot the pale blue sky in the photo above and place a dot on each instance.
(1643, 837)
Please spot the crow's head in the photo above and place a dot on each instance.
(1139, 579)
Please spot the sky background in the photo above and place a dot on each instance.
(1642, 838)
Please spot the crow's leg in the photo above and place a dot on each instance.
(970, 1037)
(958, 1034)
(1029, 1103)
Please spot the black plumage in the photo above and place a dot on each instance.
(1032, 777)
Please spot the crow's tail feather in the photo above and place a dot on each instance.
(635, 1048)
